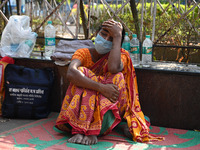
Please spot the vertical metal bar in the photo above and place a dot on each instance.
(31, 14)
(185, 5)
(123, 7)
(154, 19)
(151, 8)
(10, 7)
(77, 18)
(141, 26)
(145, 7)
(116, 5)
(92, 8)
(88, 25)
(142, 16)
(96, 12)
(20, 7)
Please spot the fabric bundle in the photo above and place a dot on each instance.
(66, 48)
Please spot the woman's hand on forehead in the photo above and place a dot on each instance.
(113, 27)
(112, 22)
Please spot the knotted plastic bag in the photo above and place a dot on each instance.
(18, 39)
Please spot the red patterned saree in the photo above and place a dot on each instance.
(88, 112)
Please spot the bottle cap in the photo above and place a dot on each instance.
(49, 22)
(148, 36)
(134, 35)
(126, 33)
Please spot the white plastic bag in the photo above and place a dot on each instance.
(17, 38)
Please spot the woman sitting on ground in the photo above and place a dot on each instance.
(103, 91)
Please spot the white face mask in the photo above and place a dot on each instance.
(102, 46)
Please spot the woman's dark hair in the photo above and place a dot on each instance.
(123, 32)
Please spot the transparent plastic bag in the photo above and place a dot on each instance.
(17, 39)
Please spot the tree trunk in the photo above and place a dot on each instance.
(135, 17)
(83, 17)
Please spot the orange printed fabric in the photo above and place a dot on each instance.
(83, 109)
(86, 60)
(84, 56)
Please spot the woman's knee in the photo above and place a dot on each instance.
(119, 80)
(88, 73)
(83, 69)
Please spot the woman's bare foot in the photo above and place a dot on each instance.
(77, 138)
(127, 132)
(89, 140)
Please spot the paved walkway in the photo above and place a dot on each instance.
(8, 124)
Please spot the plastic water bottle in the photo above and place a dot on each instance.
(126, 42)
(147, 51)
(135, 50)
(49, 34)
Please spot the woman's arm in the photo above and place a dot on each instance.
(76, 77)
(114, 60)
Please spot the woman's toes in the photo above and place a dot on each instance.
(77, 138)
